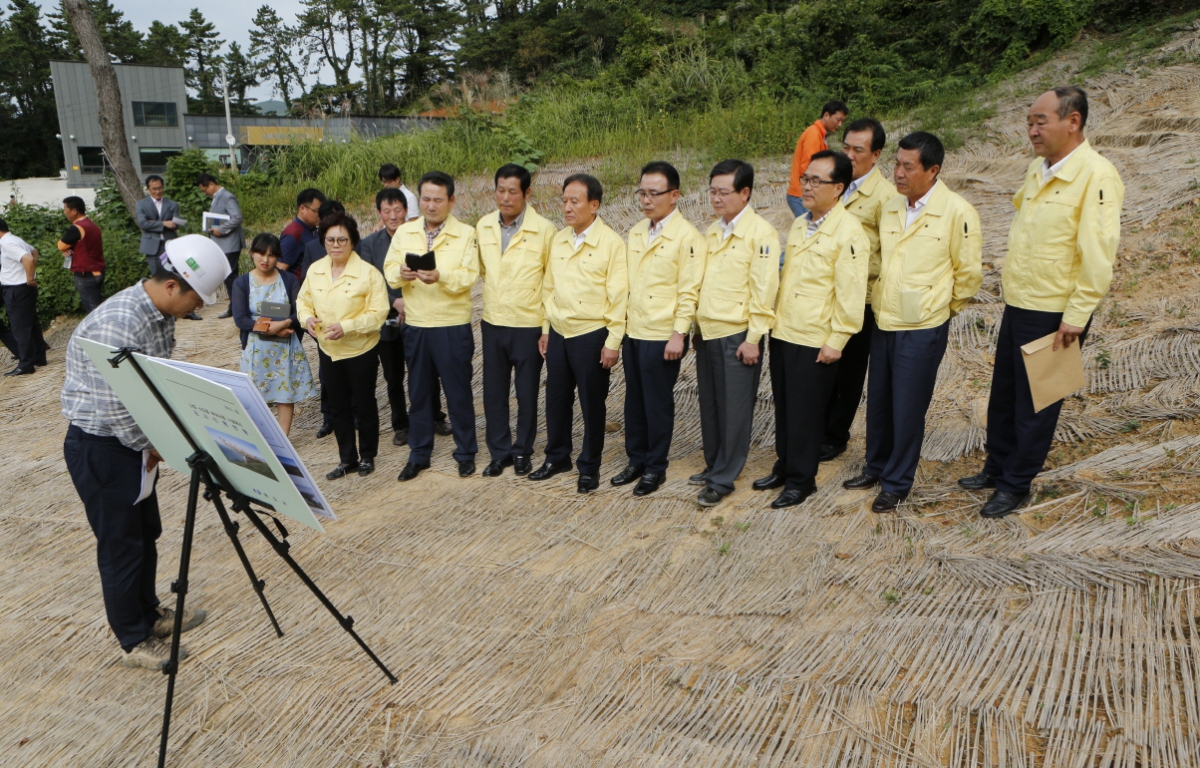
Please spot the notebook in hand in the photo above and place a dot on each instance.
(418, 262)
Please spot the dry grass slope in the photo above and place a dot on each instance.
(534, 627)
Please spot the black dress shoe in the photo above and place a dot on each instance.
(400, 437)
(226, 314)
(342, 470)
(587, 483)
(18, 371)
(768, 483)
(41, 363)
(861, 482)
(496, 468)
(700, 478)
(792, 498)
(650, 482)
(548, 470)
(628, 475)
(466, 468)
(522, 465)
(194, 316)
(325, 431)
(365, 468)
(410, 471)
(1003, 504)
(831, 452)
(442, 428)
(977, 482)
(887, 502)
(709, 498)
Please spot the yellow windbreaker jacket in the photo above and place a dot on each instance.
(664, 278)
(588, 289)
(823, 290)
(867, 206)
(741, 278)
(358, 300)
(512, 280)
(448, 301)
(1062, 244)
(929, 271)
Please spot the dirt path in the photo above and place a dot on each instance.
(531, 626)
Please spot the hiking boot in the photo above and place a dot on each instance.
(166, 620)
(151, 653)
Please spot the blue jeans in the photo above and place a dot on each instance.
(797, 206)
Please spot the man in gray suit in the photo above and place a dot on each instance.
(156, 217)
(227, 235)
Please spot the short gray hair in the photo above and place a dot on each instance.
(1072, 98)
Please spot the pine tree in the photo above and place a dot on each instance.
(275, 53)
(201, 63)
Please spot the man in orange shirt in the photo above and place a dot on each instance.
(812, 141)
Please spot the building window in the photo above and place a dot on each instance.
(155, 114)
(91, 160)
(154, 160)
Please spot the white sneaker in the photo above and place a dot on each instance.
(166, 621)
(151, 653)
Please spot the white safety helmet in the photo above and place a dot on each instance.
(200, 262)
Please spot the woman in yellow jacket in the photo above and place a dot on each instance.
(343, 303)
(930, 268)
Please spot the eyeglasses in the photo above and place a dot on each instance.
(651, 194)
(313, 209)
(336, 240)
(814, 181)
(713, 192)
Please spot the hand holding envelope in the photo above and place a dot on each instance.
(1053, 374)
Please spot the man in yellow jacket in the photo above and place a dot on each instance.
(863, 143)
(736, 312)
(666, 265)
(819, 309)
(514, 248)
(1061, 248)
(438, 342)
(586, 290)
(931, 266)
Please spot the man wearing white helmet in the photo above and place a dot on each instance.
(104, 446)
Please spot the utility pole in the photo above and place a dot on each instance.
(230, 139)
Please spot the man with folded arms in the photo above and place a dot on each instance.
(586, 289)
(737, 301)
(514, 247)
(1061, 248)
(438, 342)
(863, 143)
(820, 307)
(930, 268)
(666, 265)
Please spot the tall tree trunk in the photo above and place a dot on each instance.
(108, 95)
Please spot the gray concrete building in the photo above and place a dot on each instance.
(158, 126)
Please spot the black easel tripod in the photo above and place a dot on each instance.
(206, 471)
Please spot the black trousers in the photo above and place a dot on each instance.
(904, 367)
(89, 287)
(108, 477)
(649, 403)
(848, 388)
(1018, 440)
(445, 353)
(21, 301)
(574, 365)
(802, 388)
(391, 360)
(235, 260)
(508, 354)
(351, 384)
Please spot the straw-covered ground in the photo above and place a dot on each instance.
(531, 626)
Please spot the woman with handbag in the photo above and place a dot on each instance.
(343, 303)
(264, 309)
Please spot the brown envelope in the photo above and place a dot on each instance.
(1052, 375)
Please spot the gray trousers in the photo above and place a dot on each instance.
(728, 391)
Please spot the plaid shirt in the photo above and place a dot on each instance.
(127, 319)
(431, 235)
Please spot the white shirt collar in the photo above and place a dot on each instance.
(914, 209)
(657, 229)
(1049, 171)
(854, 185)
(728, 228)
(581, 236)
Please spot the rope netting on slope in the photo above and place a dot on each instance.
(531, 626)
